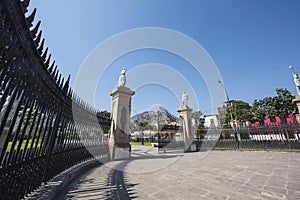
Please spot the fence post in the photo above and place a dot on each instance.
(51, 145)
(236, 135)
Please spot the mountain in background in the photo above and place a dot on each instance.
(150, 119)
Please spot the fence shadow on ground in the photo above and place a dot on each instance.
(109, 180)
(102, 183)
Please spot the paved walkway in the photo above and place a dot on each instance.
(201, 175)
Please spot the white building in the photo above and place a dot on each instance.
(211, 121)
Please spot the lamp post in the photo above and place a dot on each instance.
(136, 125)
(158, 136)
(231, 117)
(230, 112)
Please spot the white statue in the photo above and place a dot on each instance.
(122, 78)
(184, 99)
(296, 79)
(297, 82)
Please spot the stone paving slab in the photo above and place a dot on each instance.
(220, 175)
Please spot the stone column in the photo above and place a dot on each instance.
(185, 117)
(297, 102)
(119, 146)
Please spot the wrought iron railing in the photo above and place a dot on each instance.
(172, 140)
(285, 137)
(44, 127)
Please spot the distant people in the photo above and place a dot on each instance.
(122, 78)
(184, 99)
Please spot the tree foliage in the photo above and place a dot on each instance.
(283, 103)
(196, 116)
(280, 105)
(239, 111)
(104, 113)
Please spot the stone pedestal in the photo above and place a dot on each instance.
(297, 102)
(185, 117)
(119, 146)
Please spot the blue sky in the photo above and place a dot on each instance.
(252, 42)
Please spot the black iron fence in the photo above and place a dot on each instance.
(44, 127)
(170, 138)
(285, 137)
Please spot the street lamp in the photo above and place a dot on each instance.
(230, 112)
(224, 90)
(231, 117)
(135, 124)
(158, 136)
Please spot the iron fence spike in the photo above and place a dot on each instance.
(41, 47)
(61, 83)
(38, 38)
(25, 4)
(58, 81)
(35, 29)
(51, 67)
(45, 54)
(66, 86)
(48, 61)
(30, 18)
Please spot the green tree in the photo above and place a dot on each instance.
(283, 103)
(280, 105)
(260, 109)
(239, 110)
(196, 116)
(143, 126)
(104, 113)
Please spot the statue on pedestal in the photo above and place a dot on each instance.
(185, 120)
(122, 78)
(184, 100)
(119, 146)
(296, 80)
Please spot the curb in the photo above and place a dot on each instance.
(57, 184)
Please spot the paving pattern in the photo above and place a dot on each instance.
(200, 175)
